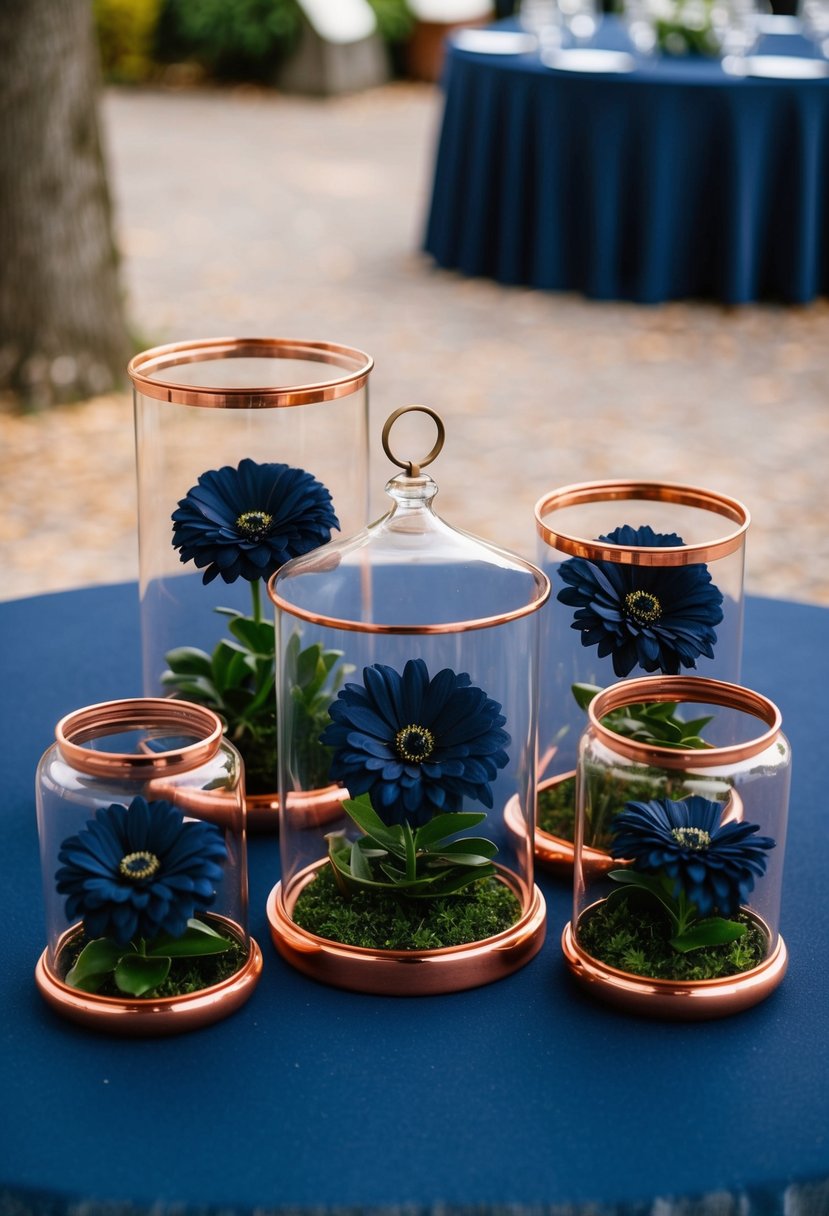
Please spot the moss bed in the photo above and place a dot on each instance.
(556, 809)
(636, 939)
(186, 975)
(386, 922)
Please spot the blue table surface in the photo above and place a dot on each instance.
(522, 1093)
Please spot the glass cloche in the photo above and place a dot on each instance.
(406, 700)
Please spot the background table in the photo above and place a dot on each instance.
(674, 180)
(523, 1093)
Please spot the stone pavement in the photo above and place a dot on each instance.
(248, 213)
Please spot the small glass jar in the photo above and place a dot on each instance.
(679, 854)
(132, 793)
(647, 578)
(407, 702)
(249, 451)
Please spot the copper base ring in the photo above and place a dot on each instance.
(306, 809)
(555, 853)
(406, 972)
(674, 1000)
(137, 1017)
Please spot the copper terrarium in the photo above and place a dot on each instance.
(407, 783)
(141, 818)
(249, 452)
(647, 578)
(679, 853)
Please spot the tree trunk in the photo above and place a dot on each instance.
(62, 328)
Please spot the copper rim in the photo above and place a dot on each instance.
(542, 584)
(111, 717)
(696, 689)
(407, 972)
(557, 854)
(144, 372)
(651, 491)
(675, 999)
(167, 1015)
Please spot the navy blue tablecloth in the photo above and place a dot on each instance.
(671, 181)
(521, 1097)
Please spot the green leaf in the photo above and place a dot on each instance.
(307, 663)
(584, 693)
(367, 819)
(715, 931)
(198, 939)
(95, 962)
(443, 826)
(635, 880)
(256, 636)
(460, 859)
(197, 688)
(188, 661)
(467, 844)
(136, 974)
(359, 863)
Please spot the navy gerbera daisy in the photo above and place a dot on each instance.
(714, 864)
(417, 746)
(660, 618)
(133, 872)
(248, 521)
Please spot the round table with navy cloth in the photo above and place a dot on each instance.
(674, 180)
(521, 1097)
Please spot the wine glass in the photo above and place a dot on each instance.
(736, 28)
(542, 18)
(815, 17)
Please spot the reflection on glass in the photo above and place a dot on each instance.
(542, 18)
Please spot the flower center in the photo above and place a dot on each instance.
(136, 866)
(254, 524)
(643, 607)
(414, 743)
(691, 838)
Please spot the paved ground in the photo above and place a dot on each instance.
(242, 212)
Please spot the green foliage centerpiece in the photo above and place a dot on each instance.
(678, 908)
(136, 876)
(411, 749)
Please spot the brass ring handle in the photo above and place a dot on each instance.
(411, 466)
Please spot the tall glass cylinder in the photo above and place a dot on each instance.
(249, 452)
(679, 853)
(141, 820)
(647, 578)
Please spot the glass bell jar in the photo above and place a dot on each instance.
(407, 751)
(679, 852)
(647, 578)
(249, 452)
(141, 819)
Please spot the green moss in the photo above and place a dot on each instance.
(556, 809)
(186, 975)
(636, 939)
(384, 922)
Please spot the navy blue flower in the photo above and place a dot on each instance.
(247, 522)
(132, 872)
(713, 863)
(660, 618)
(417, 746)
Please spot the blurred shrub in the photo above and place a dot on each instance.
(232, 39)
(126, 36)
(395, 19)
